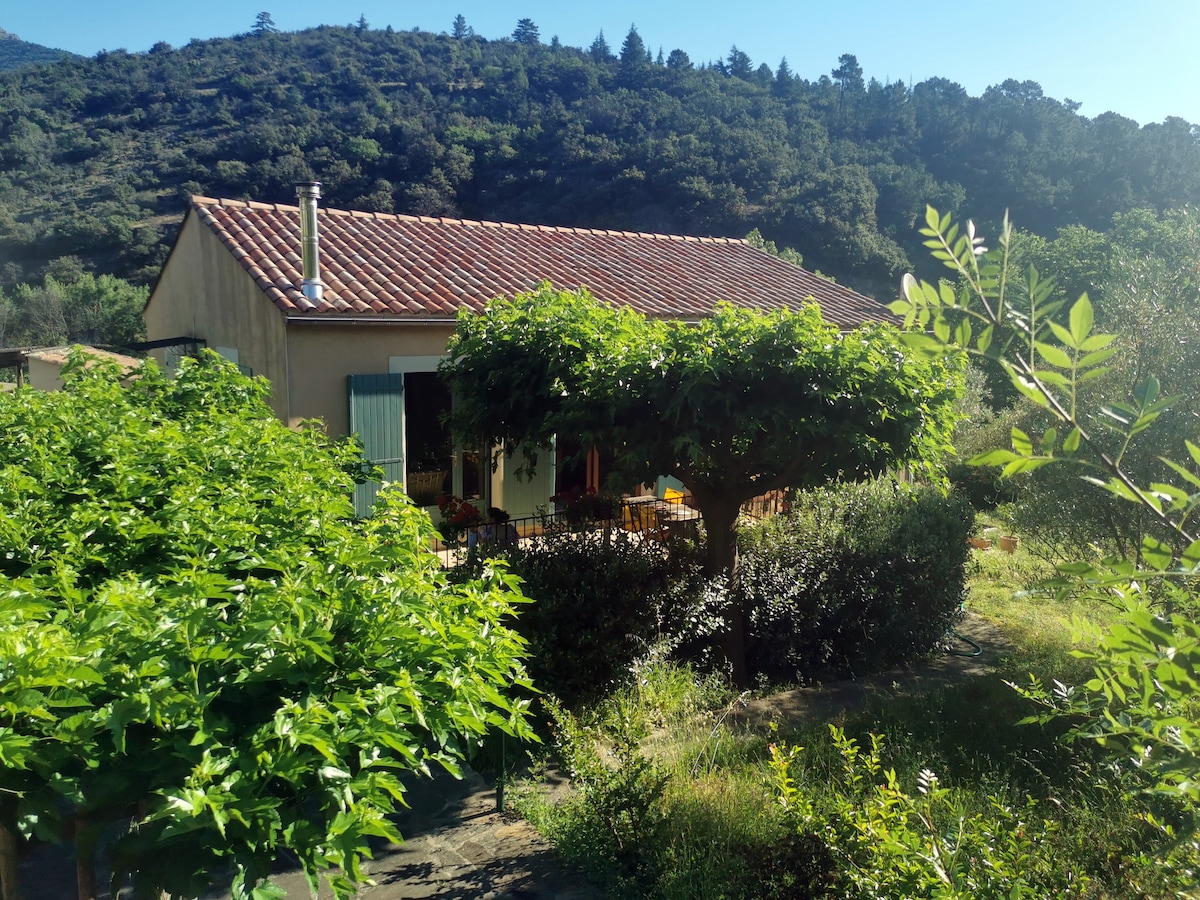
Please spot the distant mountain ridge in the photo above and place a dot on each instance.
(15, 52)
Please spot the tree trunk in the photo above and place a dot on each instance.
(143, 890)
(720, 524)
(8, 864)
(87, 836)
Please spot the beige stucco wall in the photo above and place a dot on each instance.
(322, 355)
(205, 293)
(45, 366)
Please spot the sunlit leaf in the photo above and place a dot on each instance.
(1054, 355)
(1081, 319)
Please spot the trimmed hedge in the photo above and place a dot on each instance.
(600, 600)
(856, 578)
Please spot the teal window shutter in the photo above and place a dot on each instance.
(377, 418)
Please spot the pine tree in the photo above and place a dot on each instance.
(633, 51)
(264, 24)
(679, 59)
(849, 75)
(739, 65)
(600, 51)
(462, 30)
(526, 33)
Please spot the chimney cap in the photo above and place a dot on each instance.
(308, 189)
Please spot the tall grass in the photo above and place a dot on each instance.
(1012, 810)
(1007, 588)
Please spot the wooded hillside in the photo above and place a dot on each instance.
(98, 155)
(15, 52)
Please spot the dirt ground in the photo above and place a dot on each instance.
(830, 699)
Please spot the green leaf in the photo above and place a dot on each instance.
(1147, 392)
(1071, 442)
(1187, 476)
(941, 330)
(1047, 376)
(923, 343)
(1092, 374)
(1025, 464)
(1028, 390)
(1114, 486)
(1049, 438)
(1054, 355)
(1021, 442)
(1094, 359)
(1176, 498)
(985, 339)
(1081, 318)
(993, 458)
(268, 891)
(1156, 553)
(962, 334)
(1097, 342)
(1064, 336)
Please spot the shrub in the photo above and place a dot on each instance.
(601, 598)
(888, 842)
(855, 577)
(196, 632)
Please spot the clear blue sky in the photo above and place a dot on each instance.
(1141, 60)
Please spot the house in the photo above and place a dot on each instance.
(347, 314)
(45, 365)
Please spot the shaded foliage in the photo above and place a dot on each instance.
(600, 600)
(70, 307)
(855, 578)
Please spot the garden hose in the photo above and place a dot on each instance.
(975, 650)
(951, 634)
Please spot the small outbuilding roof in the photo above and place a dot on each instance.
(378, 264)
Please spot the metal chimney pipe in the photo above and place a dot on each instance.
(309, 192)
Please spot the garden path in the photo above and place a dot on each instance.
(457, 847)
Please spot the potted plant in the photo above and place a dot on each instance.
(588, 507)
(1008, 540)
(458, 516)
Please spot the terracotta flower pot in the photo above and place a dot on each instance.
(979, 543)
(1008, 543)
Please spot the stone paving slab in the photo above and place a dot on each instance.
(456, 847)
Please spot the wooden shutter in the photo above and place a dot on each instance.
(377, 417)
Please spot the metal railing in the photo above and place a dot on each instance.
(648, 517)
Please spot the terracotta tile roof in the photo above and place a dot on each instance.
(392, 265)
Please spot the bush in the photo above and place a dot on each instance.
(854, 578)
(196, 632)
(601, 598)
